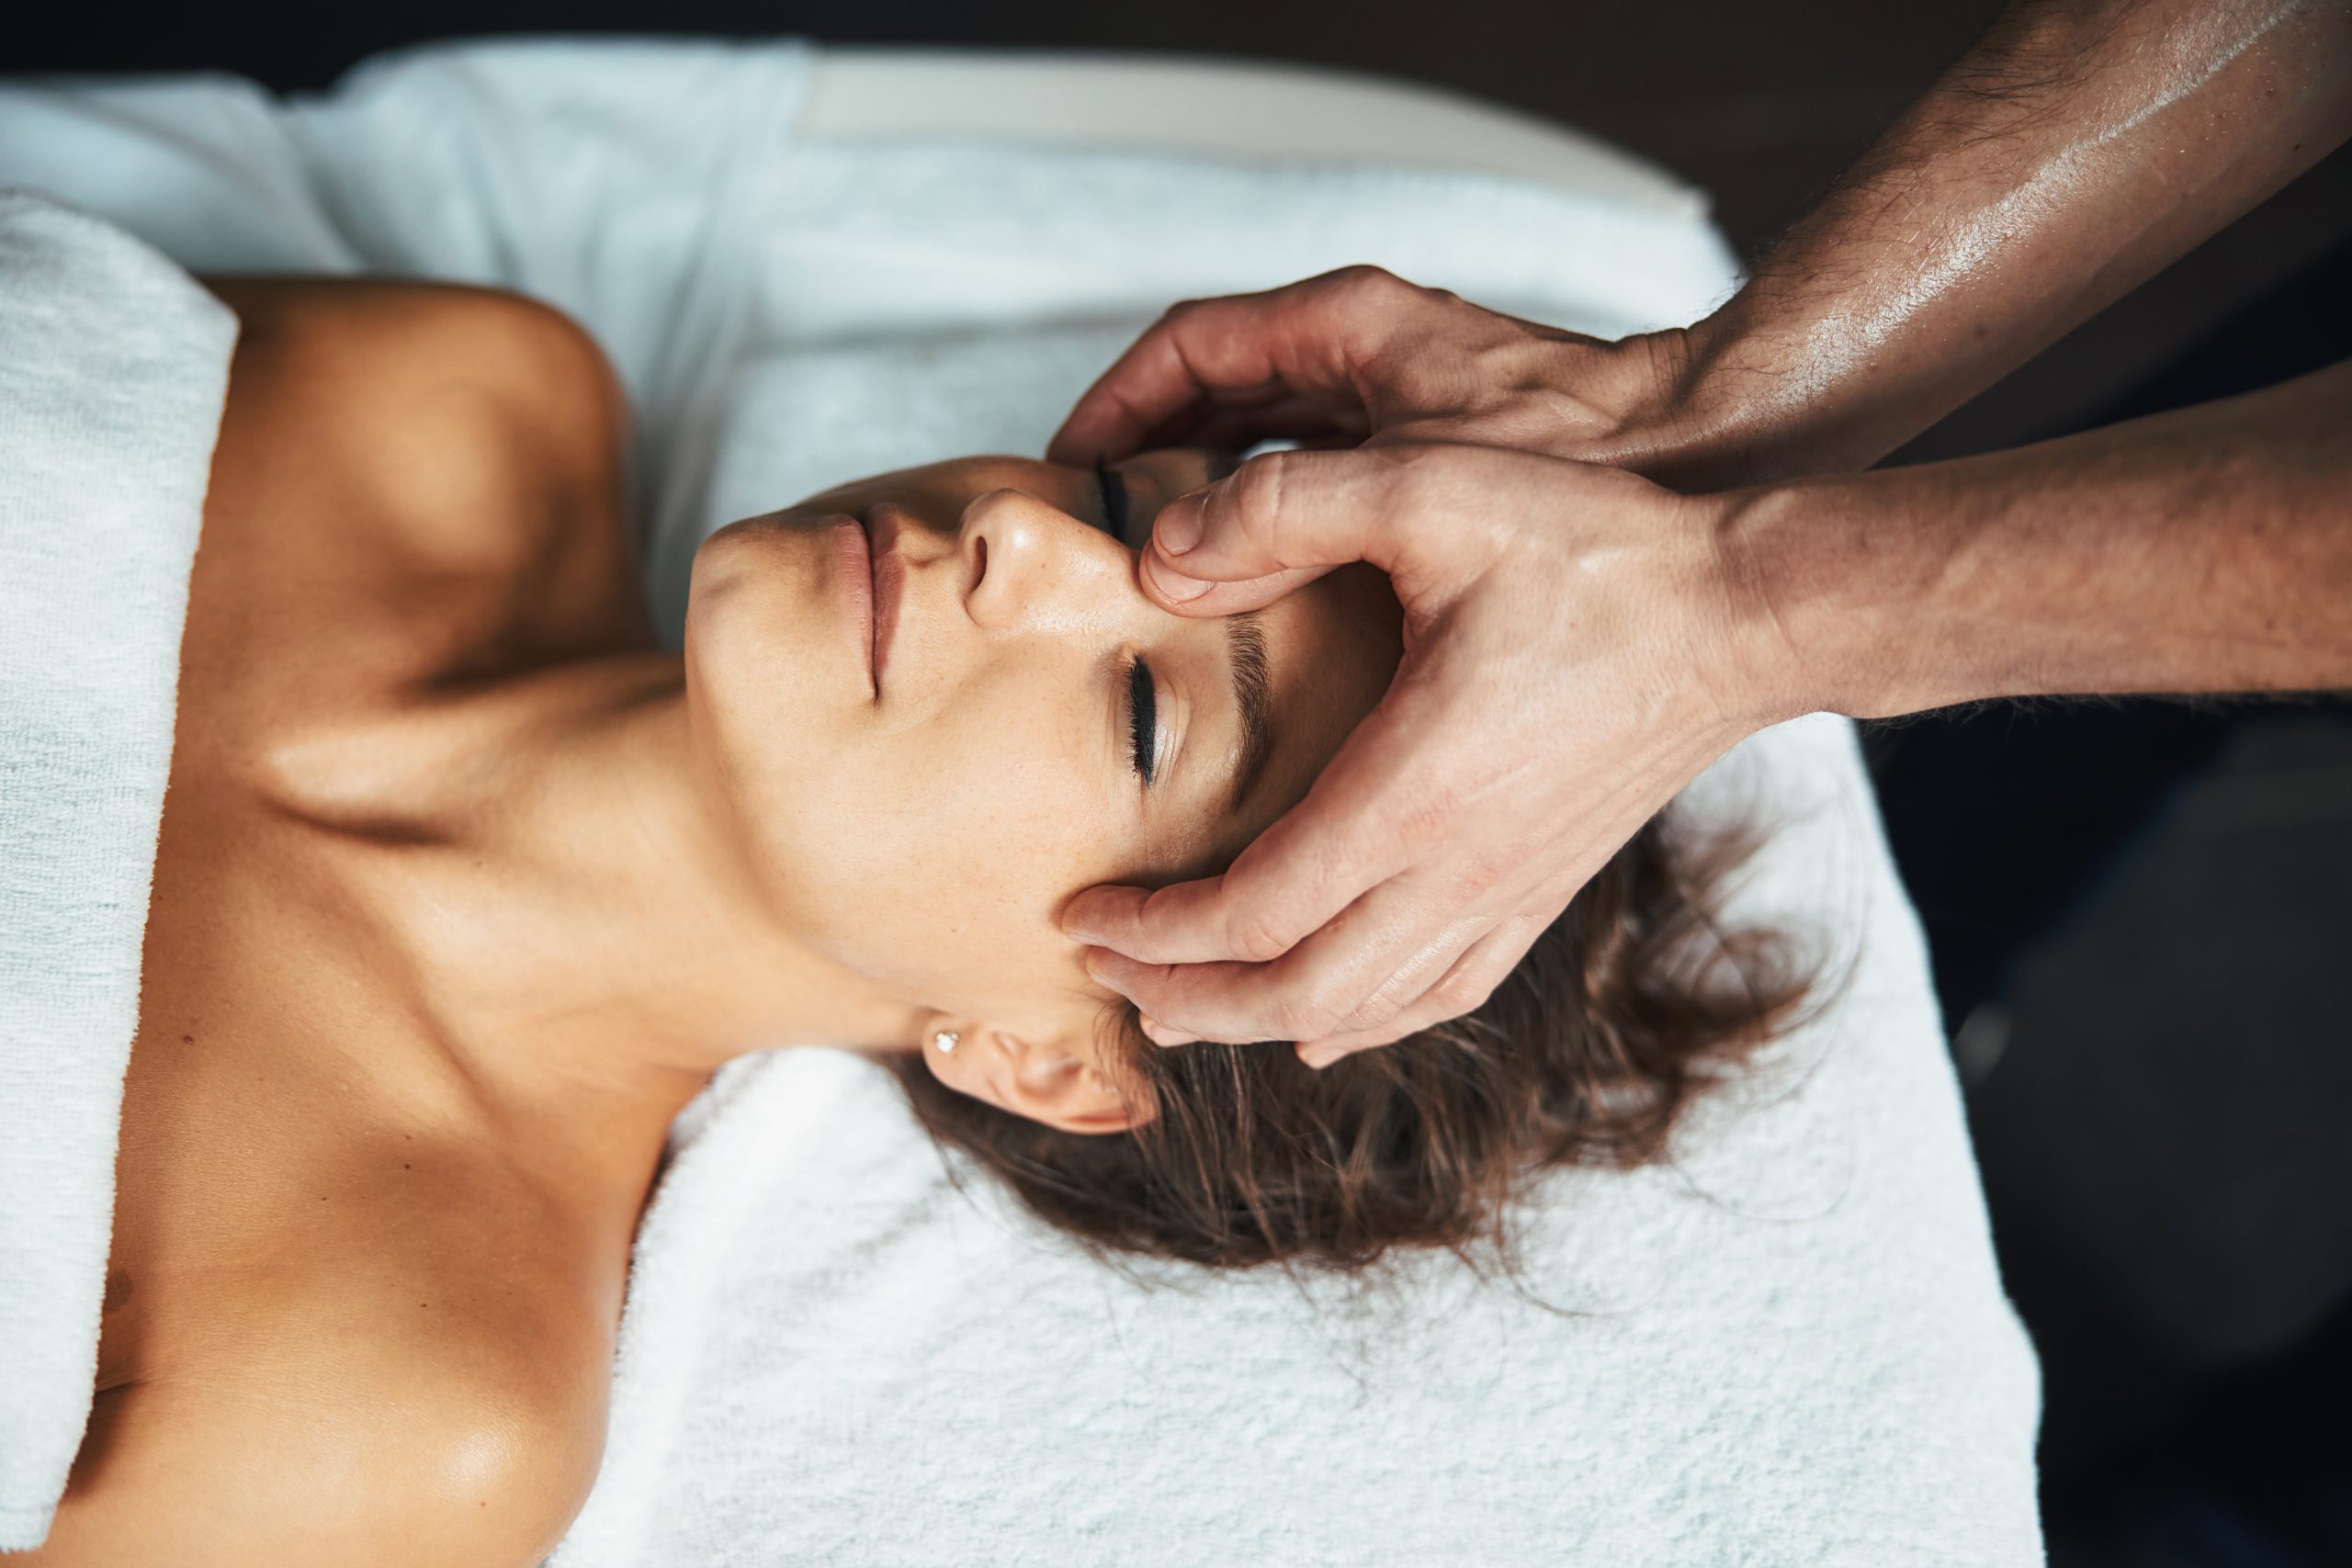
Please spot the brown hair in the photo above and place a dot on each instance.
(1625, 1007)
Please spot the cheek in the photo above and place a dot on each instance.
(936, 860)
(933, 856)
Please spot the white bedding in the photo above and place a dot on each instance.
(1790, 1345)
(113, 367)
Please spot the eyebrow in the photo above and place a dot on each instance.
(1245, 643)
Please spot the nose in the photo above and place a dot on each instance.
(1031, 565)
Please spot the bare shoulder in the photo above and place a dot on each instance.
(434, 396)
(372, 1455)
(406, 474)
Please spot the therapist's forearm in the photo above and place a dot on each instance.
(2204, 550)
(2077, 149)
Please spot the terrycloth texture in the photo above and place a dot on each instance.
(1785, 1348)
(113, 365)
(1788, 1346)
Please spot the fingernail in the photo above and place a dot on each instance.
(1321, 1057)
(1174, 585)
(1161, 1034)
(1178, 527)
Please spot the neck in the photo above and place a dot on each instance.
(573, 902)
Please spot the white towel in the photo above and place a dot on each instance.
(113, 365)
(1790, 1346)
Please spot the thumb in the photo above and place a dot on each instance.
(1169, 587)
(1274, 522)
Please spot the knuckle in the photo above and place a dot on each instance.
(1463, 991)
(1486, 868)
(1158, 918)
(1361, 277)
(1375, 1011)
(1303, 1017)
(1260, 489)
(1258, 937)
(1372, 290)
(1429, 813)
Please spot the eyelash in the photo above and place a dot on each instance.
(1111, 490)
(1143, 697)
(1143, 719)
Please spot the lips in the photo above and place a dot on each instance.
(853, 558)
(888, 586)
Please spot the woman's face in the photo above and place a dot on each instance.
(939, 704)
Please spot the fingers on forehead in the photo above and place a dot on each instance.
(1222, 599)
(1145, 395)
(1301, 508)
(1238, 351)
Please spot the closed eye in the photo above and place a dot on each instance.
(1143, 720)
(1143, 695)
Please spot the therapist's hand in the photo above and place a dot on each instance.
(1578, 644)
(1362, 354)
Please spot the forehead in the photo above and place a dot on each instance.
(1331, 648)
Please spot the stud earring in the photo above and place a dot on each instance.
(945, 1041)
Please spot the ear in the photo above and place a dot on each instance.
(1054, 1082)
(1060, 1086)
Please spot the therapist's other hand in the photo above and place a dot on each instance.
(1362, 355)
(1579, 643)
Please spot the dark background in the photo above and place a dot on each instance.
(2142, 913)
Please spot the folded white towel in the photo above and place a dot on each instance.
(1788, 1347)
(113, 366)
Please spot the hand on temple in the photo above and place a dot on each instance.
(1544, 598)
(1581, 643)
(1362, 355)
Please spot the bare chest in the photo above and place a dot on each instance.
(297, 1163)
(302, 1166)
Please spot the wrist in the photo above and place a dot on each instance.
(1639, 388)
(1693, 407)
(1883, 594)
(1759, 393)
(1814, 636)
